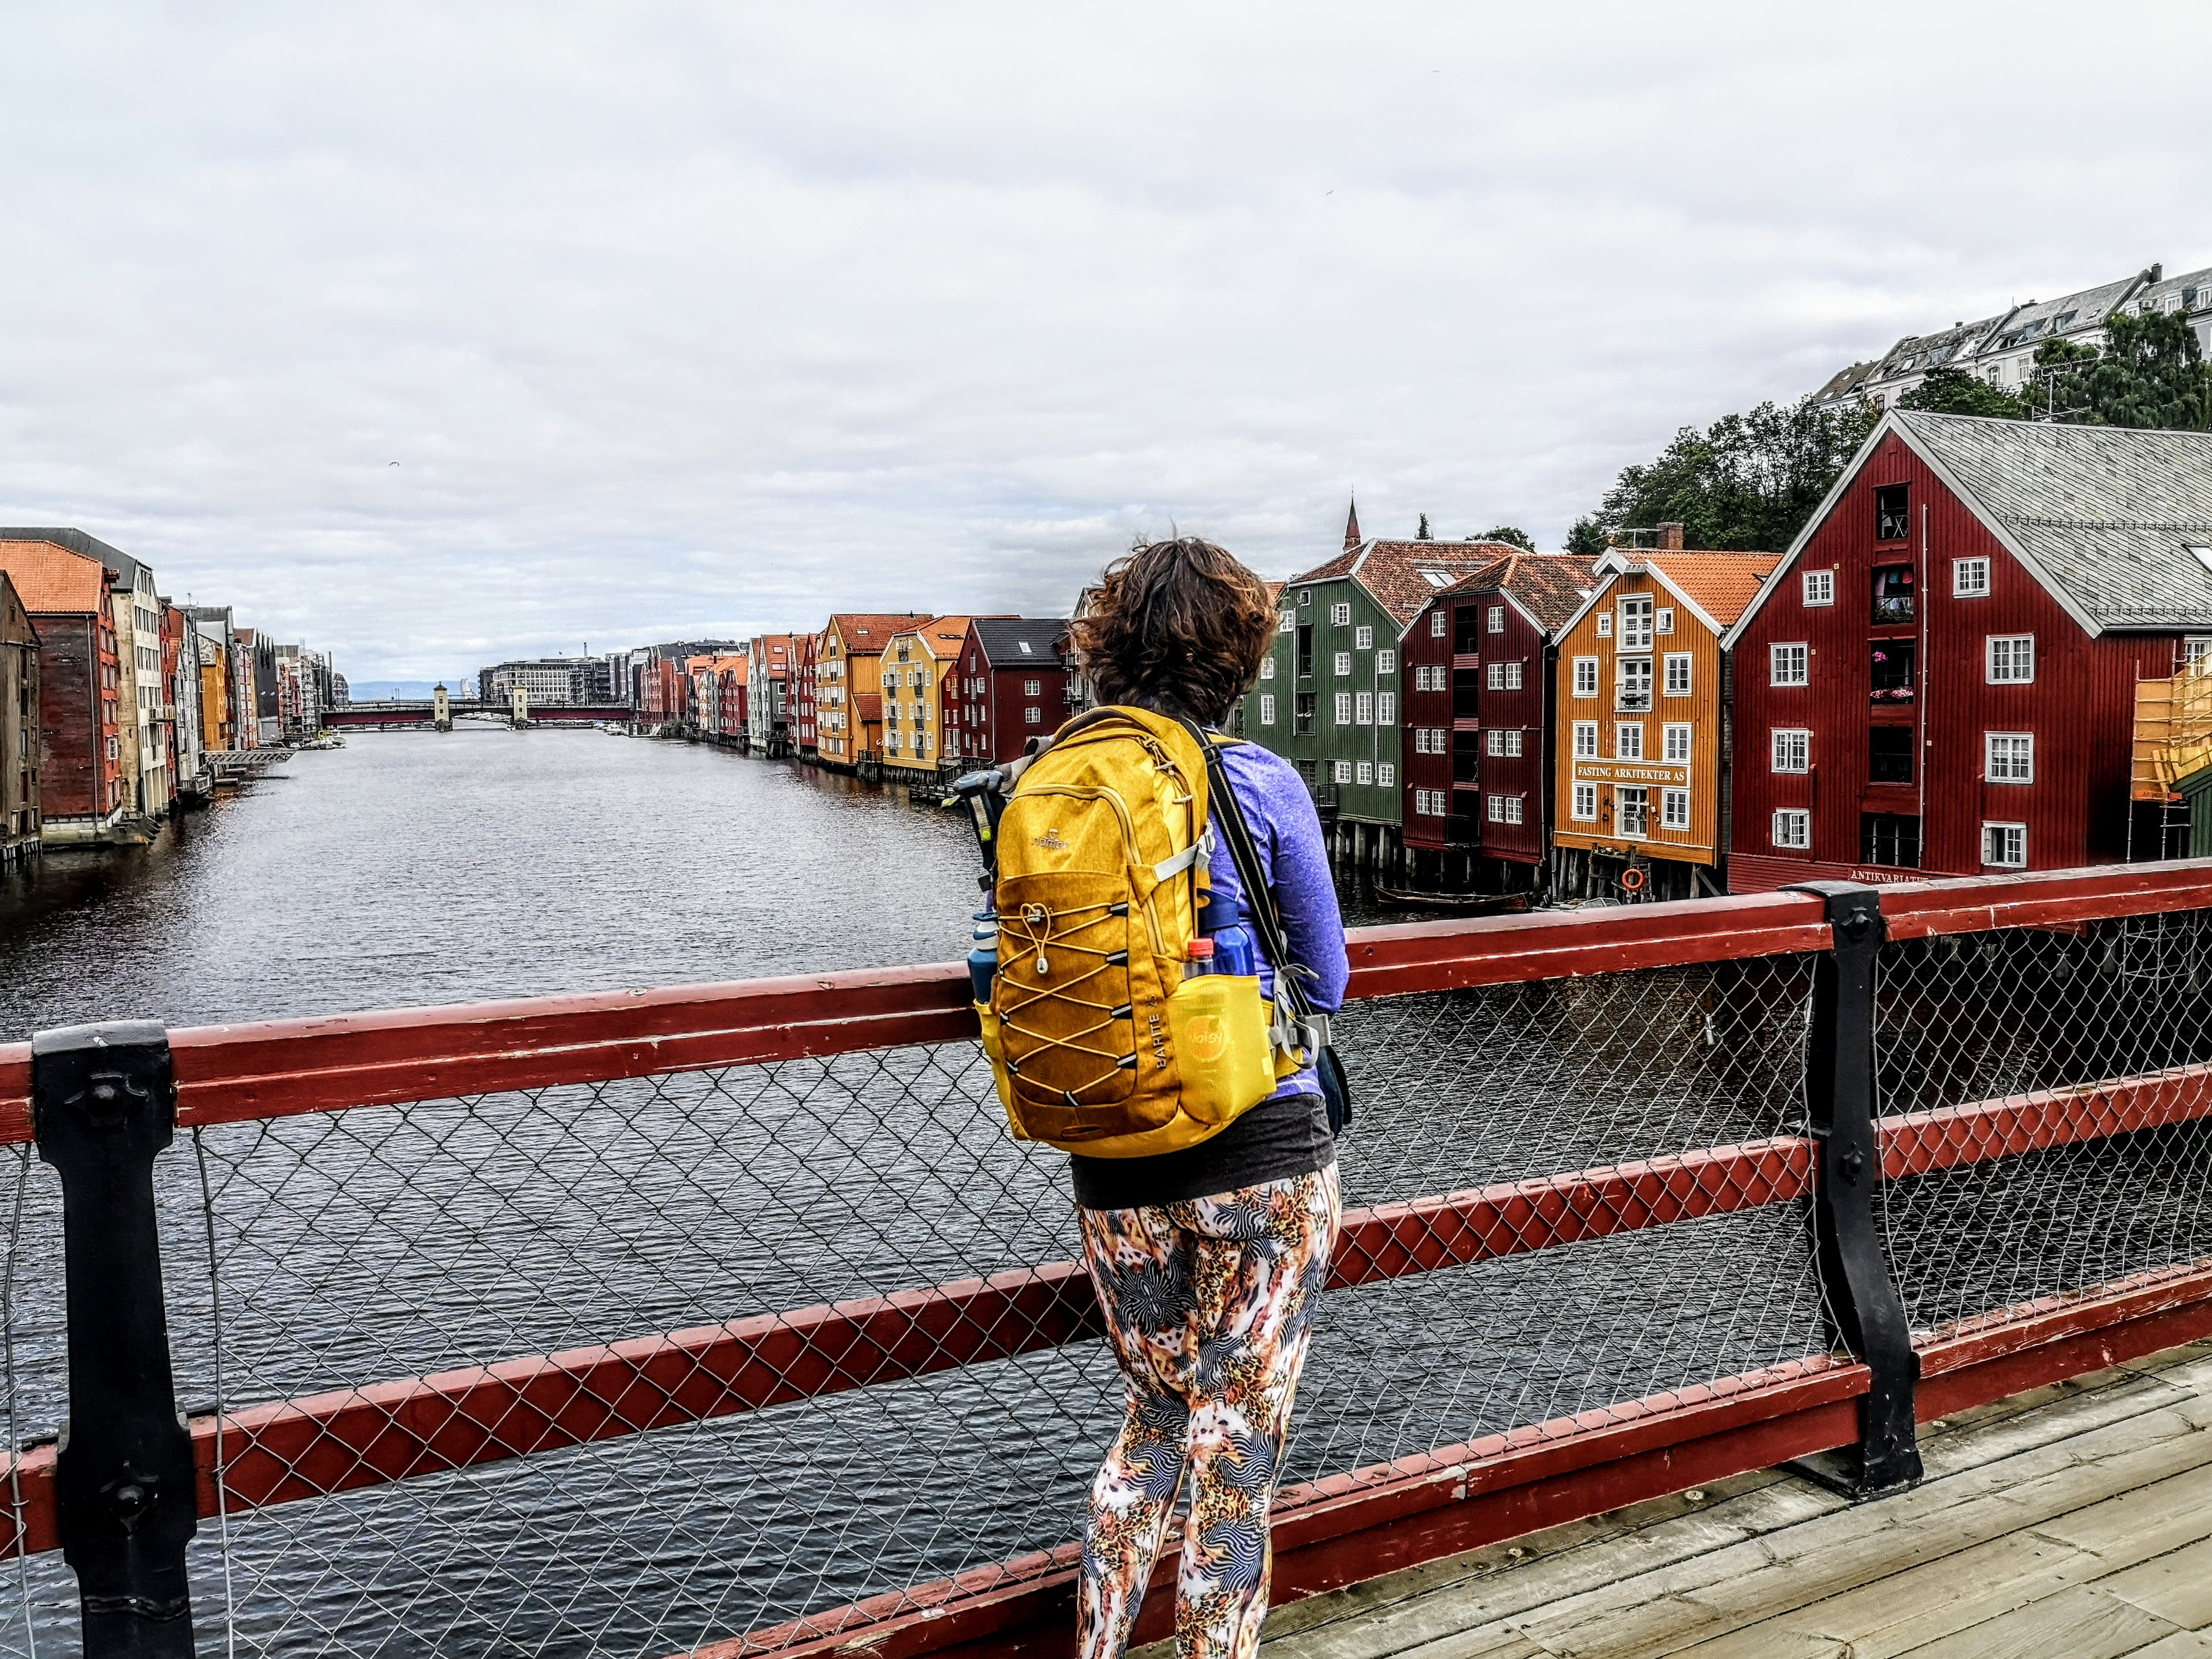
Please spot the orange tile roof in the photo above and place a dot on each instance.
(942, 636)
(869, 629)
(52, 580)
(868, 707)
(1722, 585)
(1394, 571)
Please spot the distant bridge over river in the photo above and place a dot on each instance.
(399, 712)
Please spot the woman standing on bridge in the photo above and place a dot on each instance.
(1209, 1261)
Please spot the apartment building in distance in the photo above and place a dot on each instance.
(917, 676)
(2001, 349)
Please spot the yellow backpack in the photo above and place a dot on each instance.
(1100, 1042)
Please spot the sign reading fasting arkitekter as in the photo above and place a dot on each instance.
(1616, 771)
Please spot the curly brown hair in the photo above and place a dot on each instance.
(1179, 627)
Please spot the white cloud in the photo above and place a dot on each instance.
(680, 319)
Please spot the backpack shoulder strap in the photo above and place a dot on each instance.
(1259, 896)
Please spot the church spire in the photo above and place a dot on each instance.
(1351, 537)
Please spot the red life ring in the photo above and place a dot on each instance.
(1633, 878)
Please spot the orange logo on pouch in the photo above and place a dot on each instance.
(1050, 842)
(1206, 1038)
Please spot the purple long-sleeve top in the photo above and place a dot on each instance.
(1288, 1133)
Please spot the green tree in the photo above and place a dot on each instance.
(1950, 391)
(1506, 532)
(1422, 534)
(2151, 372)
(1586, 537)
(1746, 484)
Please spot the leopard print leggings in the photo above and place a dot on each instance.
(1209, 1306)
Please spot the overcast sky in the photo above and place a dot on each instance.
(681, 319)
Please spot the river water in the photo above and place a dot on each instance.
(409, 868)
(387, 1242)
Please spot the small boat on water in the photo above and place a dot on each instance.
(1466, 903)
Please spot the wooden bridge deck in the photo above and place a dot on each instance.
(2074, 1522)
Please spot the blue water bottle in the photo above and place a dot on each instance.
(983, 959)
(1232, 949)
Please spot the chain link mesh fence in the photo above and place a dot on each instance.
(2018, 1022)
(328, 1253)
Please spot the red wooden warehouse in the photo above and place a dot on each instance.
(1010, 684)
(1941, 674)
(1479, 717)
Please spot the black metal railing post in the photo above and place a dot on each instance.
(1867, 1316)
(103, 1102)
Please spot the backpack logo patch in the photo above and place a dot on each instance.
(1051, 842)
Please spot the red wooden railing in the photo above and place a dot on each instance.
(1329, 1533)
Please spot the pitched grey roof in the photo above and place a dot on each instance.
(2106, 515)
(1003, 637)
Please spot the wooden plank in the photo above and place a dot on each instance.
(2079, 1623)
(2045, 898)
(2176, 1586)
(1724, 1591)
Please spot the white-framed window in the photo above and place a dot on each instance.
(1628, 741)
(1344, 708)
(1678, 674)
(1267, 668)
(1636, 622)
(1512, 676)
(1673, 809)
(1287, 622)
(1586, 677)
(1266, 711)
(1385, 662)
(1033, 716)
(1513, 743)
(2008, 757)
(1438, 624)
(1969, 578)
(1585, 740)
(2005, 846)
(1341, 771)
(1305, 597)
(1497, 803)
(1513, 809)
(1496, 677)
(1820, 587)
(1033, 688)
(1787, 664)
(1585, 803)
(2011, 658)
(1631, 811)
(1675, 744)
(1421, 799)
(1667, 619)
(1343, 664)
(1339, 615)
(1605, 624)
(1420, 740)
(1386, 708)
(1363, 639)
(1386, 775)
(1497, 619)
(1494, 742)
(1364, 772)
(1363, 706)
(1793, 828)
(1792, 750)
